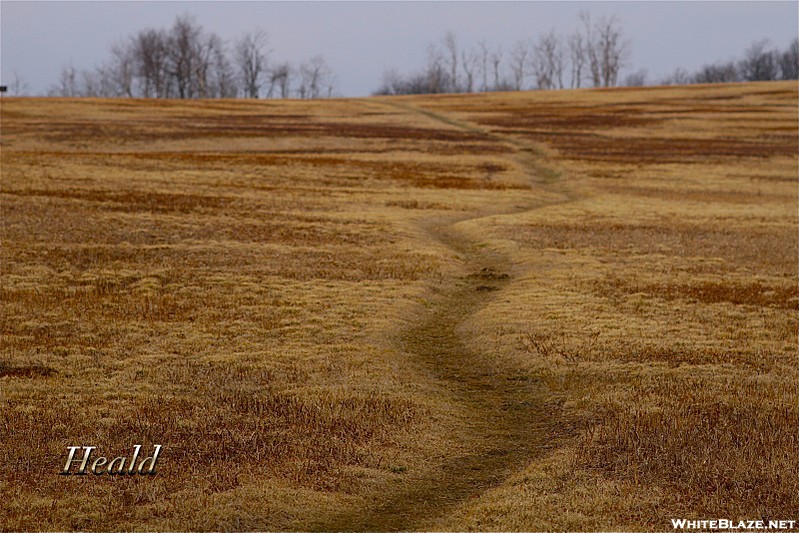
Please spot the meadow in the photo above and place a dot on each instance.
(567, 310)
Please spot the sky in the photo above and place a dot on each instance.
(361, 40)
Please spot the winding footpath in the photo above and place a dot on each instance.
(509, 423)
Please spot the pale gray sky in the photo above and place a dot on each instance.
(360, 40)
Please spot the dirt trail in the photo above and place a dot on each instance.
(508, 422)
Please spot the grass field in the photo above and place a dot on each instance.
(571, 310)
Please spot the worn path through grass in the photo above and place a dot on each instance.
(506, 419)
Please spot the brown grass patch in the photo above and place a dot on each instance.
(754, 293)
(731, 453)
(658, 303)
(231, 280)
(25, 371)
(134, 201)
(772, 250)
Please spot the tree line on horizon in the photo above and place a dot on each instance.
(186, 62)
(759, 63)
(593, 55)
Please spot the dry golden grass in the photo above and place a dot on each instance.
(555, 310)
(659, 305)
(224, 279)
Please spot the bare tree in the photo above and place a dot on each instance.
(326, 82)
(483, 64)
(106, 86)
(591, 49)
(416, 83)
(67, 83)
(613, 49)
(519, 63)
(679, 77)
(496, 61)
(18, 85)
(90, 84)
(315, 79)
(789, 62)
(392, 83)
(759, 64)
(250, 59)
(718, 73)
(196, 62)
(470, 63)
(436, 73)
(150, 51)
(183, 52)
(304, 76)
(224, 78)
(636, 79)
(210, 57)
(547, 62)
(577, 58)
(121, 70)
(451, 47)
(280, 78)
(101, 82)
